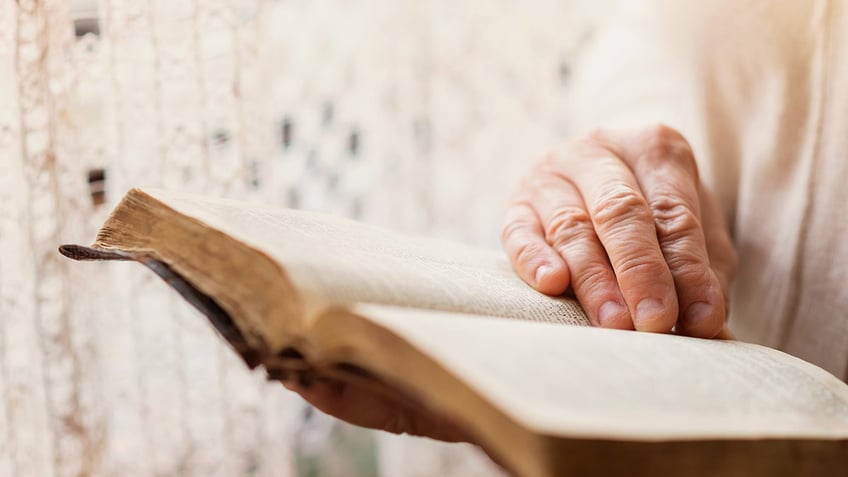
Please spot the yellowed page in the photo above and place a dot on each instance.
(341, 261)
(595, 383)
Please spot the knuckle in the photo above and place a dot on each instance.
(596, 136)
(510, 229)
(587, 145)
(592, 278)
(515, 200)
(664, 137)
(540, 185)
(661, 129)
(664, 143)
(639, 264)
(620, 205)
(527, 252)
(688, 267)
(566, 224)
(522, 190)
(674, 219)
(545, 163)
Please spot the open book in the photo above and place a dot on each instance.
(456, 330)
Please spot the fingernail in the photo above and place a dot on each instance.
(697, 313)
(648, 310)
(542, 272)
(609, 311)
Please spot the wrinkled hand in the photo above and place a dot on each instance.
(623, 219)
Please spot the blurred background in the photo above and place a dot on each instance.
(418, 115)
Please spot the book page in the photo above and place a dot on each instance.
(342, 261)
(596, 383)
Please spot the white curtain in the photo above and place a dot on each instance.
(415, 115)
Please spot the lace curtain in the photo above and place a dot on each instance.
(416, 115)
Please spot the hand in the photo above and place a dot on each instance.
(376, 406)
(623, 219)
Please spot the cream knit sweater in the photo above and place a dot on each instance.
(760, 89)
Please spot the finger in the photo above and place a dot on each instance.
(361, 406)
(349, 403)
(625, 226)
(725, 334)
(569, 230)
(665, 169)
(720, 247)
(533, 259)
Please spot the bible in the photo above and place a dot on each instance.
(454, 329)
